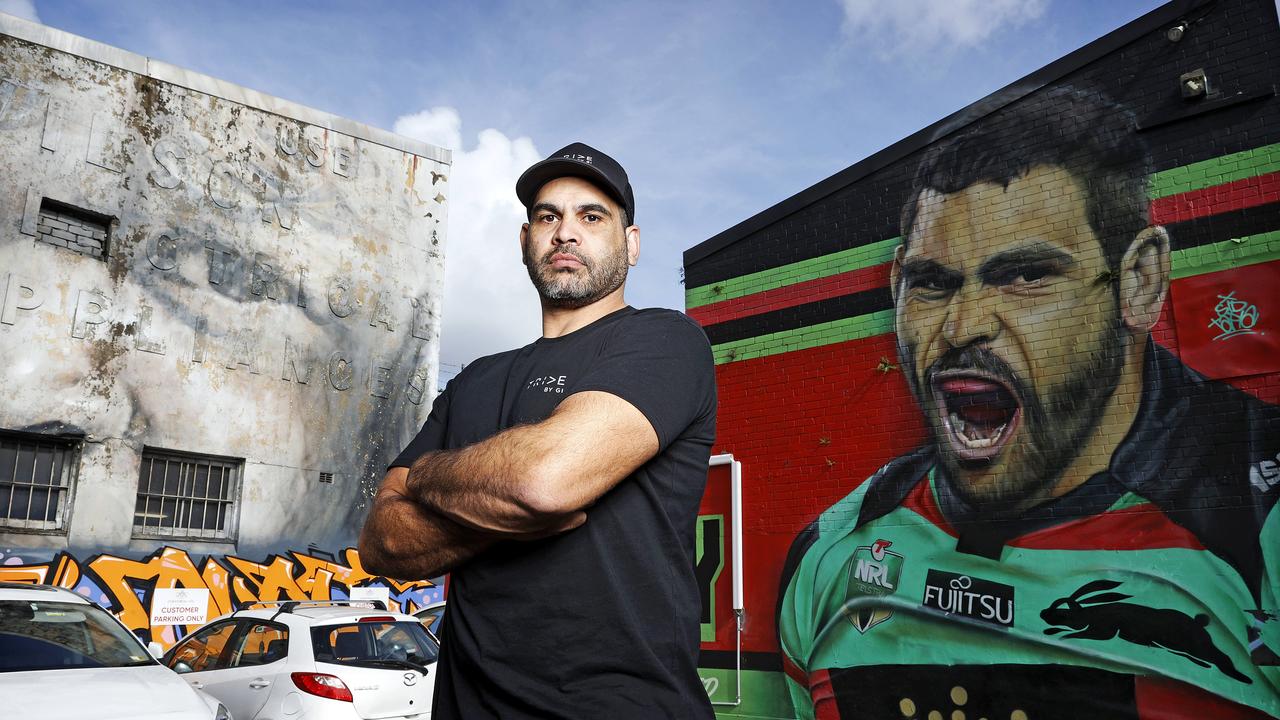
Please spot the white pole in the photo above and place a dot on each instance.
(739, 613)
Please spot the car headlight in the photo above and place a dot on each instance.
(223, 713)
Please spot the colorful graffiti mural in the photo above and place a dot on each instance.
(1007, 398)
(1081, 515)
(124, 585)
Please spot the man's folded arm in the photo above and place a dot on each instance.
(537, 478)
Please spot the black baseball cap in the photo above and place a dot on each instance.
(579, 160)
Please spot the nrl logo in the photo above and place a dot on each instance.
(873, 572)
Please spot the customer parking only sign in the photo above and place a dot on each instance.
(179, 606)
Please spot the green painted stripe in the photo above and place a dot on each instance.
(764, 694)
(1196, 176)
(1226, 255)
(1186, 263)
(1215, 171)
(856, 258)
(852, 328)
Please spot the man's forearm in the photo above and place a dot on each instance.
(481, 487)
(406, 541)
(529, 479)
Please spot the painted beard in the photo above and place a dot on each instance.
(575, 289)
(981, 413)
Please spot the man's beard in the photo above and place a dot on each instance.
(1054, 426)
(570, 290)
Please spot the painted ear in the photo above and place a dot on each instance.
(895, 272)
(1095, 586)
(1104, 598)
(1144, 279)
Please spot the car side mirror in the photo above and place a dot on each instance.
(181, 668)
(156, 649)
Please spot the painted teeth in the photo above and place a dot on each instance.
(971, 436)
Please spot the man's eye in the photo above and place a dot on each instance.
(932, 284)
(590, 217)
(1028, 276)
(547, 218)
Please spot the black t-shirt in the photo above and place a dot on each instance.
(601, 621)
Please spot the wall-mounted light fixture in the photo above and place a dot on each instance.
(1195, 84)
(1176, 32)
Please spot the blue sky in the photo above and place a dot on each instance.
(717, 109)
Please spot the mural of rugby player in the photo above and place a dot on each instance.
(1079, 537)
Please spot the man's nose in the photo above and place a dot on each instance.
(567, 231)
(971, 316)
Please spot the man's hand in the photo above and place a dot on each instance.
(403, 540)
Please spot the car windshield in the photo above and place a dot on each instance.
(375, 643)
(62, 636)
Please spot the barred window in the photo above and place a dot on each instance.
(35, 481)
(188, 496)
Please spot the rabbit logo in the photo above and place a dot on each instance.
(873, 572)
(1096, 615)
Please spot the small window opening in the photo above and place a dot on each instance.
(76, 229)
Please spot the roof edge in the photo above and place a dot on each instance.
(98, 52)
(1014, 91)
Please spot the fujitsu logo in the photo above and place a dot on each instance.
(970, 597)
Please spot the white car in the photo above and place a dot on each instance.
(64, 658)
(431, 616)
(306, 660)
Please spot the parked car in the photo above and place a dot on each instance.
(307, 660)
(64, 658)
(431, 616)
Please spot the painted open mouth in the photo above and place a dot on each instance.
(980, 412)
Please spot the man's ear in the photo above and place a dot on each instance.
(895, 272)
(524, 241)
(1144, 279)
(632, 234)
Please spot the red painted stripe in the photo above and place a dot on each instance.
(1141, 527)
(824, 696)
(920, 501)
(794, 671)
(845, 283)
(1249, 192)
(1163, 699)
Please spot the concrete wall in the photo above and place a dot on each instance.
(270, 292)
(952, 581)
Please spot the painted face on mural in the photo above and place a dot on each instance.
(576, 245)
(1011, 343)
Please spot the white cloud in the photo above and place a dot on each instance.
(489, 304)
(913, 27)
(25, 9)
